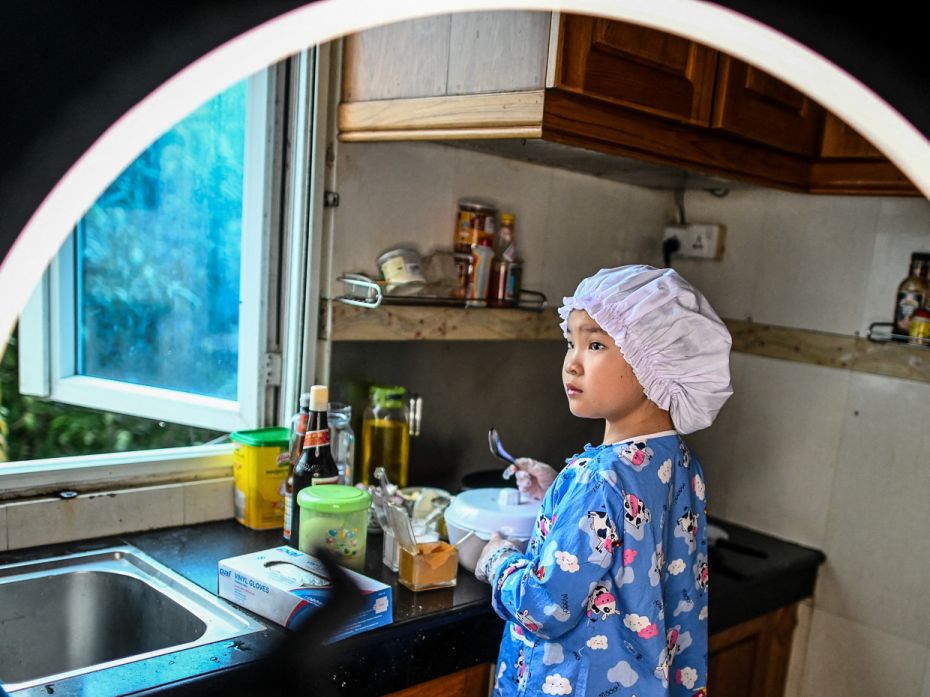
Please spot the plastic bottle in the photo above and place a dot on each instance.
(912, 294)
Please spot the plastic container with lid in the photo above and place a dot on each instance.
(259, 477)
(335, 517)
(486, 511)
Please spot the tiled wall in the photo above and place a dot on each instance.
(820, 456)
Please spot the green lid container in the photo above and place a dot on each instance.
(272, 437)
(334, 498)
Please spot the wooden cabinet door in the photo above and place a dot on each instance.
(755, 105)
(840, 140)
(636, 67)
(752, 658)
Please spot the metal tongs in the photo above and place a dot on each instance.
(497, 450)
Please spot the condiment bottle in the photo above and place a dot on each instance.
(298, 432)
(912, 295)
(919, 331)
(316, 465)
(386, 435)
(506, 244)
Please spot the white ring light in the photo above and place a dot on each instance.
(322, 21)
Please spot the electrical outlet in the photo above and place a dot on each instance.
(698, 241)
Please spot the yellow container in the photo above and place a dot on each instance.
(259, 477)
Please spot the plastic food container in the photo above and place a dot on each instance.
(486, 511)
(259, 477)
(433, 567)
(336, 517)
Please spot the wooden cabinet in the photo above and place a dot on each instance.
(471, 682)
(637, 67)
(607, 86)
(755, 105)
(749, 659)
(752, 658)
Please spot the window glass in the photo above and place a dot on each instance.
(157, 277)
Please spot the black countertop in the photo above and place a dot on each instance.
(433, 633)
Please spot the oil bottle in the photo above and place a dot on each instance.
(386, 435)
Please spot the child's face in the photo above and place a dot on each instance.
(598, 381)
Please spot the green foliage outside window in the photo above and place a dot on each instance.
(33, 428)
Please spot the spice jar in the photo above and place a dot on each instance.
(436, 566)
(475, 225)
(335, 517)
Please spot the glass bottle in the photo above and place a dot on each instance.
(912, 294)
(298, 432)
(316, 465)
(386, 435)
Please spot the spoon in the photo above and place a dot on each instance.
(494, 443)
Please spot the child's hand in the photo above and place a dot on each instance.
(533, 477)
(492, 555)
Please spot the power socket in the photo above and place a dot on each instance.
(698, 241)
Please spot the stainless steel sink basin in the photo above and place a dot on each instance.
(84, 612)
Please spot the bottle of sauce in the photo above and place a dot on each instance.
(386, 435)
(912, 295)
(316, 465)
(298, 432)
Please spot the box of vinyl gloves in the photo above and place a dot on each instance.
(285, 585)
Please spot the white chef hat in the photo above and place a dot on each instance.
(673, 340)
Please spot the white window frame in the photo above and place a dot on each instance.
(293, 248)
(48, 327)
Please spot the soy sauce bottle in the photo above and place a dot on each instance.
(299, 432)
(316, 465)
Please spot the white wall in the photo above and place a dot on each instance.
(820, 456)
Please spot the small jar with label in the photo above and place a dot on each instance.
(475, 225)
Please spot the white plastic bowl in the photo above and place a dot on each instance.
(484, 512)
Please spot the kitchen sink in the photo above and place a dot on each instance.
(84, 612)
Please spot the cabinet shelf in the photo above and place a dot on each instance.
(415, 323)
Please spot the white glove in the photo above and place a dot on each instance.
(533, 477)
(492, 556)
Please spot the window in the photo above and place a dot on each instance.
(154, 306)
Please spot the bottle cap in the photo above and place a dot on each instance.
(507, 218)
(334, 498)
(319, 397)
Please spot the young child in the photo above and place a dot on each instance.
(610, 597)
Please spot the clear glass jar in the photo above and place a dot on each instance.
(342, 440)
(386, 435)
